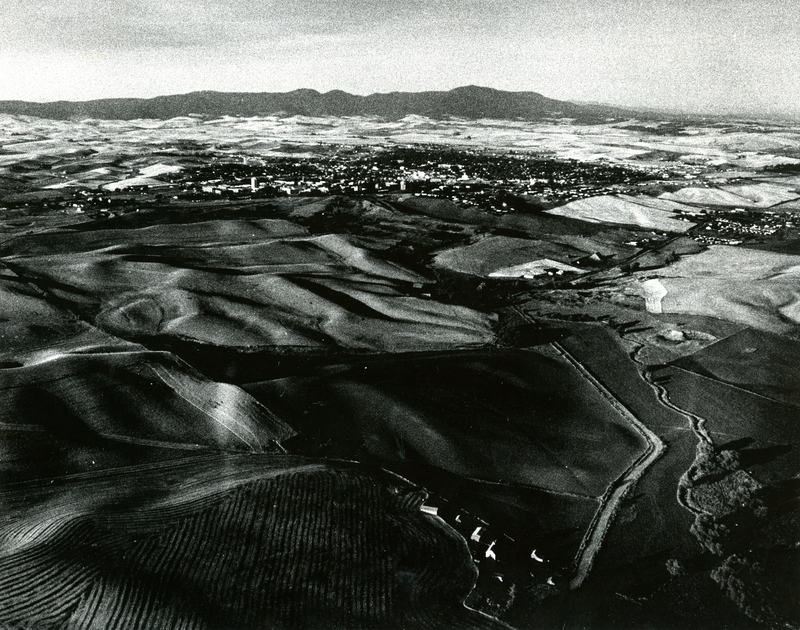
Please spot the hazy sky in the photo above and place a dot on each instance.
(696, 55)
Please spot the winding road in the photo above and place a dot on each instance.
(611, 499)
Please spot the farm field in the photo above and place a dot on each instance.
(751, 287)
(243, 286)
(606, 354)
(316, 546)
(497, 421)
(535, 535)
(629, 578)
(651, 526)
(137, 397)
(624, 210)
(492, 254)
(745, 416)
(765, 428)
(761, 363)
(762, 195)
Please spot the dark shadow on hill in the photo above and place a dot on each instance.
(753, 456)
(48, 411)
(479, 293)
(781, 498)
(737, 444)
(529, 335)
(241, 365)
(531, 518)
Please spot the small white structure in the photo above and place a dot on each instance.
(654, 292)
(534, 268)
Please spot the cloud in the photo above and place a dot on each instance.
(135, 24)
(709, 54)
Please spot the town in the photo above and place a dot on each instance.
(496, 182)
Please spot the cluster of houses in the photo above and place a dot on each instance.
(498, 556)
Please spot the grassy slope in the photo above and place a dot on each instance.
(497, 252)
(759, 362)
(756, 288)
(620, 210)
(515, 416)
(764, 429)
(309, 292)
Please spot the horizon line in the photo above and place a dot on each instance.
(784, 116)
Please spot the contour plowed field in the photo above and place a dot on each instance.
(301, 547)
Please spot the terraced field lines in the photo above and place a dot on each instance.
(30, 580)
(85, 613)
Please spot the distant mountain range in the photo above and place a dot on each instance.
(469, 102)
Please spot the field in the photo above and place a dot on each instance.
(755, 288)
(243, 284)
(762, 195)
(492, 254)
(316, 546)
(624, 210)
(742, 485)
(765, 428)
(759, 362)
(76, 399)
(497, 417)
(137, 396)
(651, 526)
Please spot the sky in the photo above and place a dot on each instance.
(700, 56)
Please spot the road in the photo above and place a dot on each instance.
(616, 492)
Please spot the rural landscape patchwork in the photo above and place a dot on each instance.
(470, 359)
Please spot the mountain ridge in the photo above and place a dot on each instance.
(470, 102)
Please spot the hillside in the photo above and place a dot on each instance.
(465, 102)
(357, 373)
